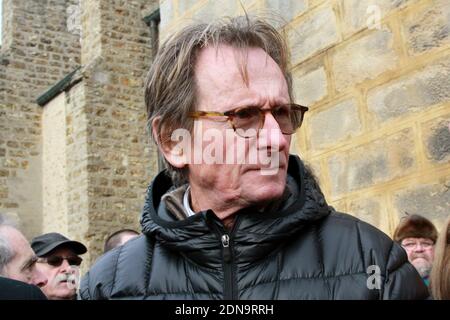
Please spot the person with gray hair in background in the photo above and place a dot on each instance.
(17, 259)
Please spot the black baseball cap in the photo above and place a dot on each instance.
(47, 242)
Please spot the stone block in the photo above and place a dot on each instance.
(411, 93)
(317, 32)
(285, 10)
(359, 14)
(364, 58)
(371, 210)
(336, 123)
(437, 139)
(185, 5)
(213, 10)
(310, 86)
(429, 200)
(167, 13)
(428, 28)
(375, 162)
(4, 173)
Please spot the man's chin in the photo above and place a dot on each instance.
(267, 193)
(421, 262)
(422, 266)
(64, 292)
(65, 295)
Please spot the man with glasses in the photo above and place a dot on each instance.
(234, 216)
(418, 235)
(59, 260)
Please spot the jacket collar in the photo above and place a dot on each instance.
(255, 235)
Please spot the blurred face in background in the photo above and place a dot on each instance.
(420, 253)
(22, 266)
(61, 268)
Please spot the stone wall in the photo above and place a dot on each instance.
(77, 175)
(37, 51)
(120, 158)
(54, 167)
(375, 76)
(79, 165)
(109, 158)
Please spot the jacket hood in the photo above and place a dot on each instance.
(255, 235)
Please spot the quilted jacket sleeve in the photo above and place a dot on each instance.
(97, 283)
(399, 279)
(402, 280)
(122, 273)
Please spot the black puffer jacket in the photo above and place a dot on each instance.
(305, 250)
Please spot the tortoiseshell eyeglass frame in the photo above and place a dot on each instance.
(230, 116)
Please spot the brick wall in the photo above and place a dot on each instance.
(375, 75)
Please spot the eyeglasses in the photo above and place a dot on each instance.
(424, 244)
(248, 121)
(29, 264)
(56, 261)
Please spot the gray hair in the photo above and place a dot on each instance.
(6, 253)
(170, 88)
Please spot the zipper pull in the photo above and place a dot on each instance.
(226, 248)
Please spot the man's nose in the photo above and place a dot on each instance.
(39, 279)
(272, 133)
(65, 267)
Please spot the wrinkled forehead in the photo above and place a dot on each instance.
(225, 60)
(225, 76)
(20, 248)
(14, 238)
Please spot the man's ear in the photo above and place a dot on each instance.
(175, 152)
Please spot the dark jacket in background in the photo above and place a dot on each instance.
(301, 250)
(17, 290)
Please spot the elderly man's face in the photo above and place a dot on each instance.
(62, 276)
(22, 267)
(420, 253)
(221, 88)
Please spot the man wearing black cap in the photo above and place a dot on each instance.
(59, 260)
